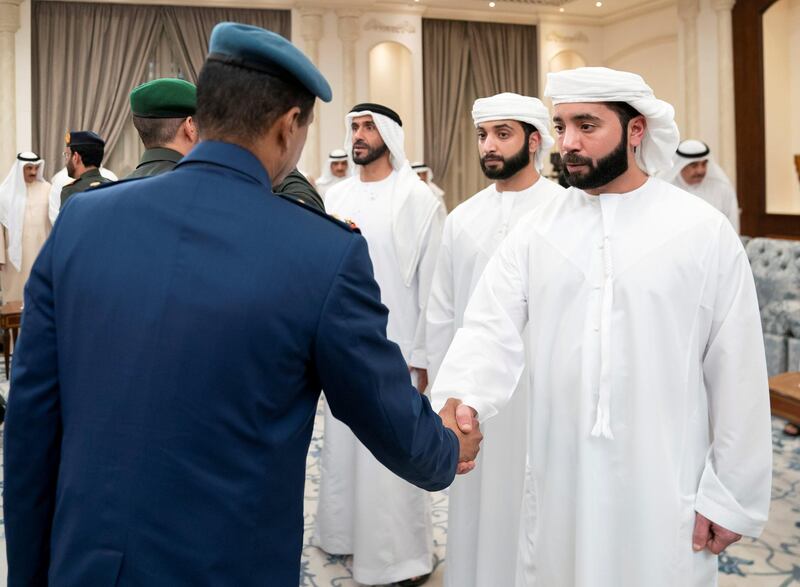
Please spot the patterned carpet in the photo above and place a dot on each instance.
(773, 560)
(770, 561)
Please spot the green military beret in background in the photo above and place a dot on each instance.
(164, 98)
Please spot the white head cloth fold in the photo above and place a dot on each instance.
(13, 193)
(420, 167)
(691, 151)
(413, 204)
(600, 84)
(508, 106)
(327, 177)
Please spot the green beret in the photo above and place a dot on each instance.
(164, 98)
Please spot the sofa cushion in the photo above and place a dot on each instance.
(779, 317)
(776, 269)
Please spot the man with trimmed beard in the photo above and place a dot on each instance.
(650, 435)
(337, 169)
(483, 520)
(364, 509)
(83, 153)
(25, 225)
(696, 172)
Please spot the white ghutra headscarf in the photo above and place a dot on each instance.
(13, 193)
(600, 84)
(508, 106)
(327, 178)
(691, 151)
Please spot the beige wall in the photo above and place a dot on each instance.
(781, 80)
(391, 82)
(23, 82)
(648, 45)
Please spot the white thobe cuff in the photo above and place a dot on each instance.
(716, 503)
(418, 360)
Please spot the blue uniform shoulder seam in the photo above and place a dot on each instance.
(319, 213)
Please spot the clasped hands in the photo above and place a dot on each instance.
(462, 420)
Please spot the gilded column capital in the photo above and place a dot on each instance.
(688, 9)
(311, 28)
(349, 25)
(9, 16)
(723, 5)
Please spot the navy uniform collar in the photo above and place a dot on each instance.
(230, 156)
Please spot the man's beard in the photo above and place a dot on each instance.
(372, 154)
(607, 169)
(510, 166)
(71, 170)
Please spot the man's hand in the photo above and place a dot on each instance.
(712, 536)
(461, 419)
(422, 378)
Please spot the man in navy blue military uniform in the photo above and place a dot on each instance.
(176, 334)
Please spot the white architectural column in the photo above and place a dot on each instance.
(727, 135)
(9, 25)
(311, 27)
(687, 12)
(348, 33)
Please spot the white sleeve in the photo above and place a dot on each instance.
(54, 202)
(425, 270)
(487, 356)
(732, 211)
(735, 485)
(440, 327)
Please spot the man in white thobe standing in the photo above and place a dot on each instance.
(364, 509)
(696, 172)
(484, 507)
(25, 224)
(337, 169)
(650, 439)
(425, 173)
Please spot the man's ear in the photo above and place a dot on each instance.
(190, 129)
(534, 141)
(287, 125)
(636, 129)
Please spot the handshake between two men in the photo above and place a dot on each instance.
(462, 420)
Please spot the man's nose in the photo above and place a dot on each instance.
(570, 141)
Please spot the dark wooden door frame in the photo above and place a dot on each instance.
(751, 166)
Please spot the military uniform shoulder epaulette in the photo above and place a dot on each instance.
(99, 185)
(349, 226)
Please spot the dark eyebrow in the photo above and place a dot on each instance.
(503, 127)
(586, 118)
(579, 118)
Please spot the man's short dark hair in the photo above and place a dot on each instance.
(157, 132)
(238, 103)
(91, 155)
(528, 129)
(624, 111)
